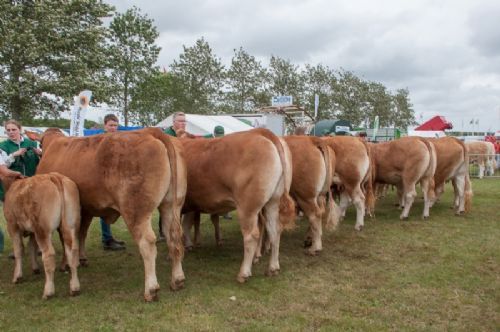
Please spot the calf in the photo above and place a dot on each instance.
(39, 205)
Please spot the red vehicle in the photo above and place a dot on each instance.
(436, 123)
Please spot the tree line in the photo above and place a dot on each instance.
(52, 49)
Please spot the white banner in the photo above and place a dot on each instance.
(78, 113)
(281, 101)
(316, 104)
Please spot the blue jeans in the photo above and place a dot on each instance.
(1, 240)
(105, 232)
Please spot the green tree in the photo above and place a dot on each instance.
(349, 91)
(156, 97)
(50, 48)
(133, 54)
(246, 82)
(202, 76)
(284, 79)
(319, 80)
(403, 114)
(380, 101)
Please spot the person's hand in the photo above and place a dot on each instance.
(19, 152)
(38, 151)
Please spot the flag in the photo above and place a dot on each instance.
(78, 113)
(471, 121)
(375, 128)
(477, 121)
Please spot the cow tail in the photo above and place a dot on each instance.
(370, 198)
(331, 214)
(287, 205)
(468, 187)
(56, 180)
(431, 169)
(287, 212)
(176, 228)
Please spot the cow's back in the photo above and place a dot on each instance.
(111, 169)
(221, 167)
(451, 154)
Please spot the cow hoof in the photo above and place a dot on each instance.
(177, 285)
(242, 279)
(426, 217)
(36, 271)
(64, 268)
(307, 243)
(84, 262)
(404, 218)
(312, 253)
(272, 272)
(75, 292)
(17, 280)
(220, 243)
(189, 248)
(47, 296)
(460, 213)
(359, 228)
(152, 296)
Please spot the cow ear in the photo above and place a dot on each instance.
(34, 136)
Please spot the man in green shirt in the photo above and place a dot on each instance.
(178, 123)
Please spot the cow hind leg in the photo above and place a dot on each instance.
(197, 235)
(315, 231)
(70, 243)
(33, 253)
(459, 186)
(358, 199)
(187, 224)
(273, 233)
(425, 183)
(409, 195)
(215, 221)
(17, 245)
(250, 231)
(142, 233)
(345, 200)
(82, 236)
(173, 233)
(49, 263)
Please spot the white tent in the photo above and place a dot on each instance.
(427, 133)
(205, 124)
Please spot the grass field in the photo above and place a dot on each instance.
(441, 274)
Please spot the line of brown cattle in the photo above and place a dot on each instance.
(265, 178)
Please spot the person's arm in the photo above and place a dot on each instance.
(5, 172)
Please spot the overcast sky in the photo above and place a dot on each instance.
(447, 53)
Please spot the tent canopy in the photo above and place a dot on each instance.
(205, 124)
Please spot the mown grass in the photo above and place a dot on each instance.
(441, 274)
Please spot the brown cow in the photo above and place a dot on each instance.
(40, 205)
(191, 219)
(404, 163)
(247, 171)
(129, 174)
(352, 172)
(452, 164)
(313, 169)
(483, 154)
